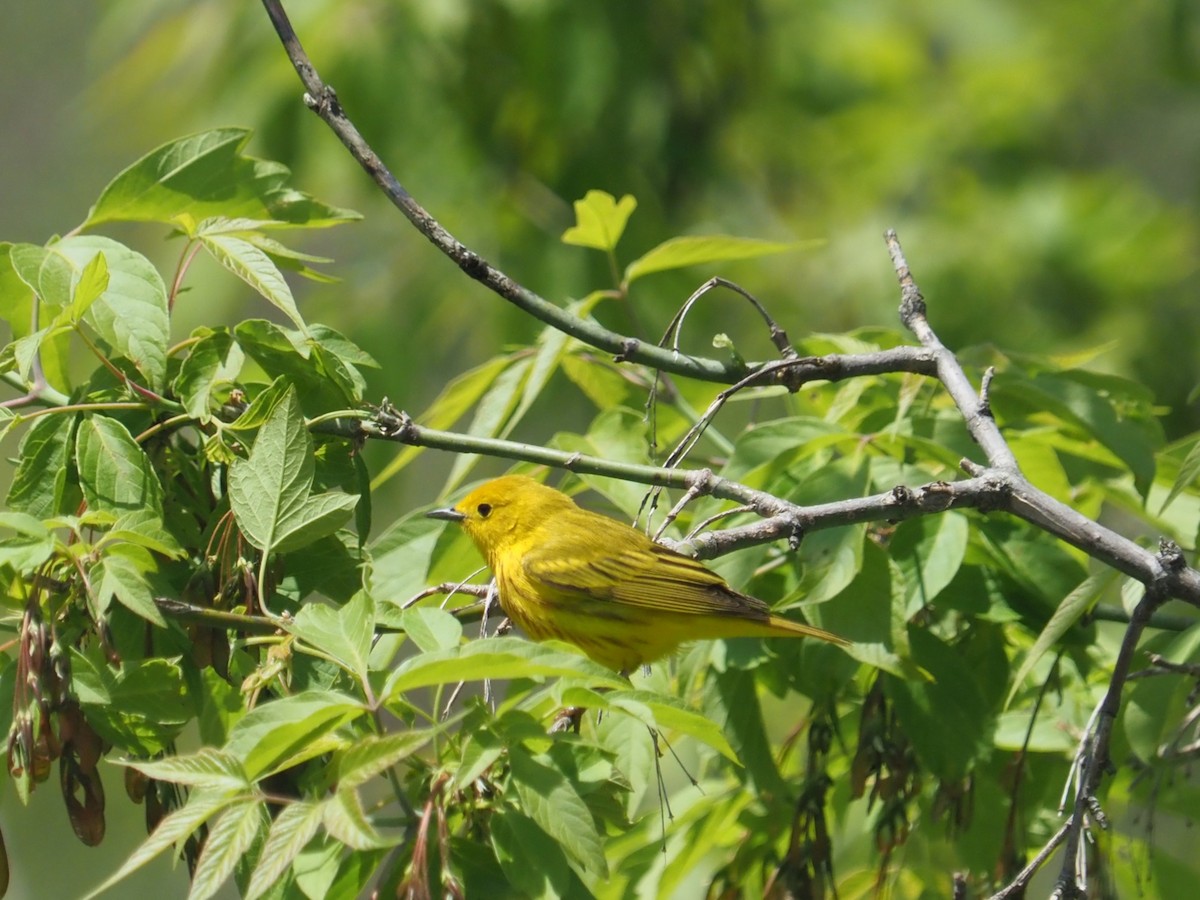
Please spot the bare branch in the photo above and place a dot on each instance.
(778, 336)
(982, 427)
(322, 100)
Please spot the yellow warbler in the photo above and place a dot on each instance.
(567, 573)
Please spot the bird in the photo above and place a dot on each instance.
(569, 573)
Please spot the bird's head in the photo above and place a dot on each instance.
(500, 511)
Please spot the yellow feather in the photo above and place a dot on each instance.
(566, 572)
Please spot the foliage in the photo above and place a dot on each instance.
(188, 549)
(1036, 156)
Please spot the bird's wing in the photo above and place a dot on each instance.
(646, 575)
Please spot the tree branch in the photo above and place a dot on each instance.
(322, 100)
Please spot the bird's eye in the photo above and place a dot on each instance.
(484, 509)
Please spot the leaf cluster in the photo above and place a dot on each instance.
(188, 549)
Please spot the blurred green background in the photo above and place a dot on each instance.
(1039, 161)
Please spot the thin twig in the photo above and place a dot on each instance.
(322, 100)
(1016, 888)
(778, 336)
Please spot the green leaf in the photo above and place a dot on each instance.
(480, 751)
(370, 755)
(1048, 735)
(735, 706)
(291, 831)
(208, 372)
(1188, 471)
(30, 546)
(552, 346)
(207, 768)
(400, 562)
(271, 492)
(39, 484)
(343, 635)
(345, 821)
(1069, 611)
(121, 573)
(665, 713)
(280, 731)
(229, 839)
(552, 801)
(928, 551)
(702, 249)
(145, 529)
(599, 220)
(131, 315)
(193, 178)
(175, 828)
(532, 861)
(324, 379)
(506, 657)
(44, 271)
(339, 373)
(255, 268)
(431, 628)
(599, 380)
(114, 472)
(263, 406)
(93, 282)
(633, 755)
(341, 346)
(946, 718)
(141, 708)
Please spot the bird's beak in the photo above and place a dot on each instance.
(449, 513)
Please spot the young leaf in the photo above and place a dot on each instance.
(93, 281)
(490, 416)
(371, 755)
(599, 220)
(230, 838)
(342, 634)
(200, 807)
(1074, 605)
(275, 732)
(207, 769)
(121, 573)
(345, 820)
(255, 268)
(271, 492)
(178, 183)
(263, 406)
(114, 472)
(213, 364)
(131, 314)
(291, 831)
(697, 250)
(448, 407)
